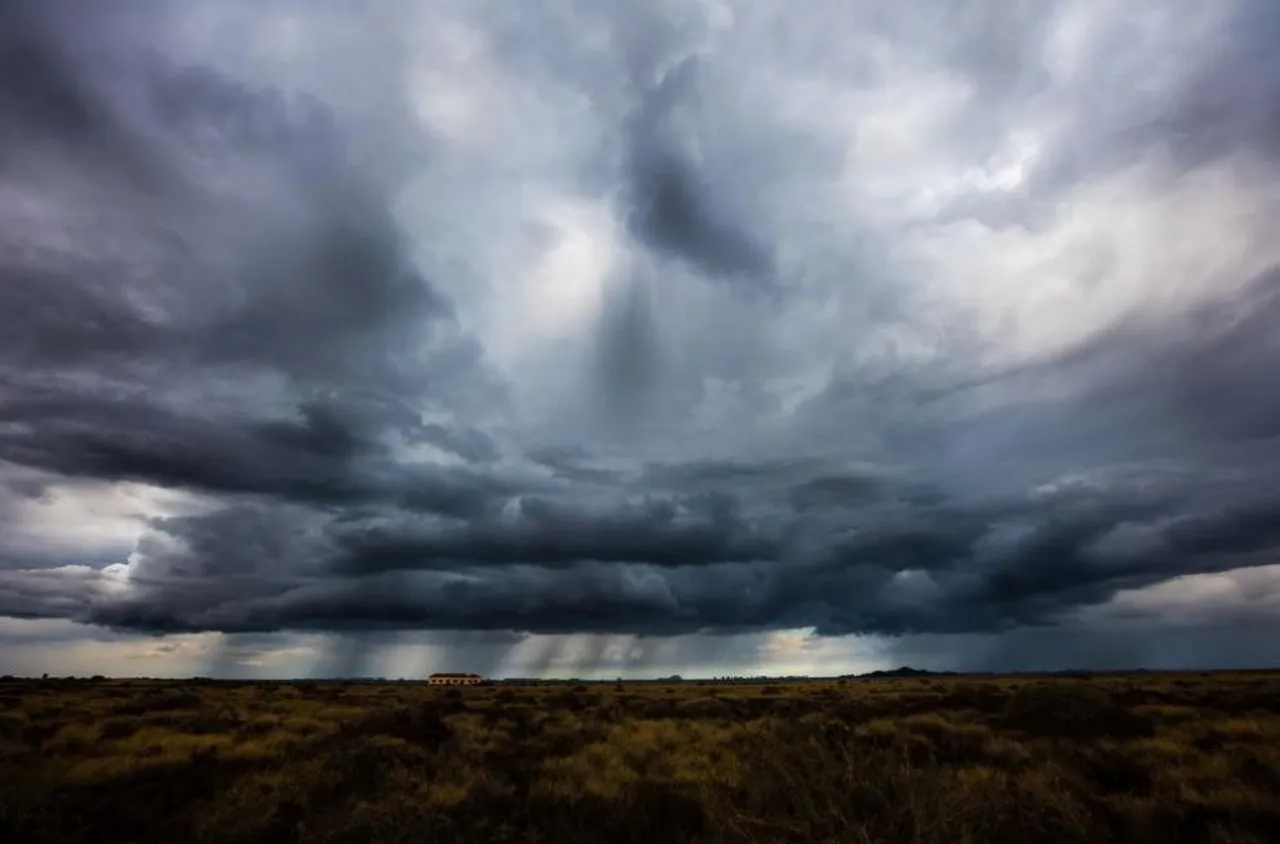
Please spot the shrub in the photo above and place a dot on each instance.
(118, 728)
(12, 726)
(1057, 760)
(979, 697)
(163, 700)
(1072, 710)
(414, 724)
(707, 707)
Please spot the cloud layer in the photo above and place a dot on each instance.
(703, 319)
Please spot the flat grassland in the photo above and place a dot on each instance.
(1165, 758)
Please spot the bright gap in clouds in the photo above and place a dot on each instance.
(625, 339)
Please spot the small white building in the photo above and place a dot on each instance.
(444, 679)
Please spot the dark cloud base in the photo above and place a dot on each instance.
(239, 318)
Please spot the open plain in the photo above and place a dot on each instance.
(1147, 757)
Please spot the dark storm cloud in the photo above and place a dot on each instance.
(315, 458)
(568, 462)
(730, 473)
(929, 569)
(206, 285)
(676, 210)
(549, 534)
(321, 290)
(468, 443)
(296, 308)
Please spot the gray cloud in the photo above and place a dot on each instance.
(776, 361)
(904, 569)
(675, 208)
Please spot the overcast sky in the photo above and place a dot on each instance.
(598, 338)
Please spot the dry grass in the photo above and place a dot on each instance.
(1158, 758)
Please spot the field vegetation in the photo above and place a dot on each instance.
(1167, 758)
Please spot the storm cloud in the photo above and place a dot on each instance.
(703, 322)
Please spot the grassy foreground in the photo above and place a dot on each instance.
(1162, 758)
